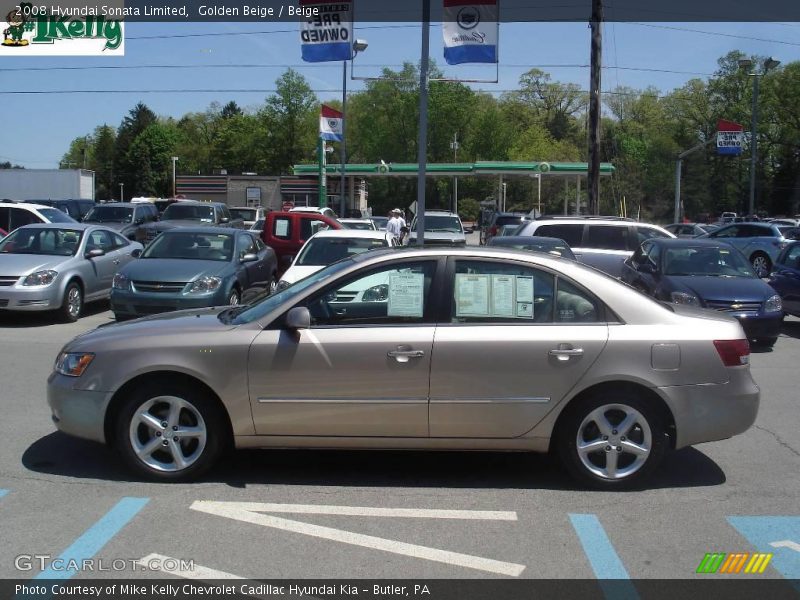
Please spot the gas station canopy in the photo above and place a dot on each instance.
(456, 169)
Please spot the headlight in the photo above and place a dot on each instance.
(774, 304)
(40, 278)
(73, 364)
(205, 285)
(121, 282)
(684, 298)
(378, 293)
(283, 284)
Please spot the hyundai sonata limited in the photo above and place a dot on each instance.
(470, 348)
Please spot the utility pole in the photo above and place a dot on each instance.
(454, 146)
(593, 183)
(422, 139)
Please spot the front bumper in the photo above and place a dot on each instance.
(30, 299)
(77, 412)
(141, 304)
(710, 412)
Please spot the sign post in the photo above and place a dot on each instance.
(323, 191)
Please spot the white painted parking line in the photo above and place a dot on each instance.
(251, 512)
(786, 544)
(160, 562)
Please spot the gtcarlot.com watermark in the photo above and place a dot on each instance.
(42, 562)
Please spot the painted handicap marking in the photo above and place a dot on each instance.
(3, 493)
(255, 513)
(93, 539)
(779, 535)
(606, 564)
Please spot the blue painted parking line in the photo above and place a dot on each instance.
(603, 559)
(94, 538)
(3, 493)
(779, 535)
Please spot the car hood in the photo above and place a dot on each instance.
(299, 272)
(22, 264)
(171, 223)
(164, 325)
(441, 236)
(173, 269)
(113, 225)
(737, 289)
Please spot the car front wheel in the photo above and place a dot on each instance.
(72, 304)
(612, 440)
(167, 433)
(761, 264)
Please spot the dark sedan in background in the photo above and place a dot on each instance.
(123, 217)
(192, 267)
(534, 243)
(709, 274)
(786, 278)
(190, 213)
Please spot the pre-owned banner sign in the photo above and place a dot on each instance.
(326, 34)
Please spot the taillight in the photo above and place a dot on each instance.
(734, 353)
(493, 230)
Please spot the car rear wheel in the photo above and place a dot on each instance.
(72, 304)
(612, 440)
(762, 265)
(167, 433)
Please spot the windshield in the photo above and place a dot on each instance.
(189, 212)
(362, 225)
(252, 312)
(109, 214)
(441, 223)
(41, 240)
(555, 249)
(245, 214)
(323, 251)
(706, 261)
(56, 216)
(191, 246)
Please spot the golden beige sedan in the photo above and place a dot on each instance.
(418, 348)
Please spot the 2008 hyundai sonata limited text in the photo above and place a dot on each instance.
(420, 348)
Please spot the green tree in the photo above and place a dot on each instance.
(139, 118)
(150, 153)
(290, 116)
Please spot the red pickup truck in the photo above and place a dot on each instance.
(286, 232)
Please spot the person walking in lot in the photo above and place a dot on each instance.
(396, 224)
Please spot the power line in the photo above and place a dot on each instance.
(716, 33)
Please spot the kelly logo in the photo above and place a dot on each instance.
(737, 562)
(41, 33)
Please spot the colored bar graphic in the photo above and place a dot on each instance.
(720, 562)
(603, 559)
(97, 536)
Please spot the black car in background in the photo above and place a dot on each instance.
(707, 273)
(498, 220)
(189, 213)
(75, 208)
(124, 217)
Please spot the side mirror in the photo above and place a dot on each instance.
(298, 318)
(95, 253)
(136, 252)
(648, 268)
(249, 258)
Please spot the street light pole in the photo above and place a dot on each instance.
(358, 46)
(746, 63)
(174, 160)
(122, 192)
(454, 145)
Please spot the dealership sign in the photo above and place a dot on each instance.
(326, 30)
(730, 138)
(470, 31)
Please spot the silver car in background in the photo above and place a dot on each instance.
(471, 348)
(59, 267)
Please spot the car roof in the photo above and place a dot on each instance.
(122, 204)
(678, 242)
(209, 230)
(526, 239)
(198, 203)
(33, 205)
(76, 225)
(589, 220)
(352, 233)
(244, 207)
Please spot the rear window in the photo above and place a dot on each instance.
(569, 232)
(508, 221)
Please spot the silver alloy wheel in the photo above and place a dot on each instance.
(168, 433)
(273, 286)
(74, 302)
(233, 299)
(614, 441)
(761, 265)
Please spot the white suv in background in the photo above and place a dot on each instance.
(601, 242)
(16, 214)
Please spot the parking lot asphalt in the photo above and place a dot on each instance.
(321, 514)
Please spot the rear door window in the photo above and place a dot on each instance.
(569, 232)
(607, 237)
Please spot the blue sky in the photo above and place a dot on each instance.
(39, 127)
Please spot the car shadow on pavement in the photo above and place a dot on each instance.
(61, 455)
(791, 329)
(42, 319)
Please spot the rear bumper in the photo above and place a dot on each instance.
(709, 412)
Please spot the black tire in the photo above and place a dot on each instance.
(252, 294)
(570, 425)
(757, 260)
(72, 303)
(202, 455)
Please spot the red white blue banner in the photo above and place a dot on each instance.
(730, 137)
(470, 29)
(330, 124)
(326, 30)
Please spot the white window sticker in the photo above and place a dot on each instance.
(472, 295)
(406, 292)
(503, 295)
(282, 227)
(524, 299)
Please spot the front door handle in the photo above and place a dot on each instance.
(565, 353)
(404, 353)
